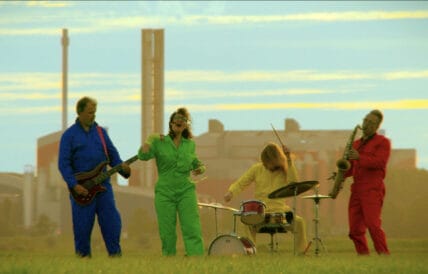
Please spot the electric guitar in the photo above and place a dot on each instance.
(92, 180)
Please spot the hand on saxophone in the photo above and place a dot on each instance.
(353, 154)
(333, 176)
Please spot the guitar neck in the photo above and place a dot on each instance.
(114, 169)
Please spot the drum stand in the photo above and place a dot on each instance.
(215, 216)
(293, 189)
(234, 222)
(294, 224)
(317, 240)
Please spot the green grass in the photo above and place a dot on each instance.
(407, 256)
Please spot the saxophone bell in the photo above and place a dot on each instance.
(343, 164)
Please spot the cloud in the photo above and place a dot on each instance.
(15, 83)
(331, 106)
(30, 110)
(92, 21)
(288, 76)
(49, 4)
(30, 31)
(37, 3)
(27, 96)
(42, 81)
(262, 76)
(386, 105)
(204, 94)
(23, 92)
(20, 81)
(126, 86)
(312, 16)
(29, 84)
(399, 75)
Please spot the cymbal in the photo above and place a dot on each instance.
(218, 206)
(292, 189)
(319, 196)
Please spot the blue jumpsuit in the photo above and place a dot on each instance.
(175, 194)
(82, 151)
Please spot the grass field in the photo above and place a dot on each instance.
(408, 256)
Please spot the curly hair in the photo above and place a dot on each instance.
(183, 114)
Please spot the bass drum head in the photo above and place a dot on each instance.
(231, 245)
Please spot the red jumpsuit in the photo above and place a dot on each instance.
(367, 193)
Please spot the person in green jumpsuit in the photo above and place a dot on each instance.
(175, 193)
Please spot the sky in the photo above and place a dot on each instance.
(247, 64)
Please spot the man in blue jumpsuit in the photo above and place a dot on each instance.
(83, 147)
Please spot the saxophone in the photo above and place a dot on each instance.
(343, 165)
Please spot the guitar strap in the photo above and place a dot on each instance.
(100, 132)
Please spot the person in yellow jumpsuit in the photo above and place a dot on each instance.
(175, 192)
(269, 175)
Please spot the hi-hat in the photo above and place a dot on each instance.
(292, 189)
(218, 206)
(317, 196)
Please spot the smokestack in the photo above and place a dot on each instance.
(27, 189)
(152, 79)
(152, 93)
(64, 42)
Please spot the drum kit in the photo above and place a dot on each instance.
(232, 244)
(218, 206)
(252, 212)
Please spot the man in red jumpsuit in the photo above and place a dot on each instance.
(368, 157)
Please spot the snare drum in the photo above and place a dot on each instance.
(278, 222)
(275, 218)
(252, 212)
(231, 245)
(279, 218)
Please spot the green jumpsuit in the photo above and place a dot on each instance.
(175, 193)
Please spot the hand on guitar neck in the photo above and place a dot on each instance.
(125, 169)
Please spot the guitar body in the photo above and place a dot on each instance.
(87, 179)
(92, 180)
(86, 200)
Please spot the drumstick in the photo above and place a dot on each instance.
(287, 153)
(276, 133)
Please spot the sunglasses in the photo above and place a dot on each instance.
(178, 124)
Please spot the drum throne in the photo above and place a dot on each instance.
(273, 225)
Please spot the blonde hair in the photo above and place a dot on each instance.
(273, 154)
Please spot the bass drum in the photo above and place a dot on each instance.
(231, 245)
